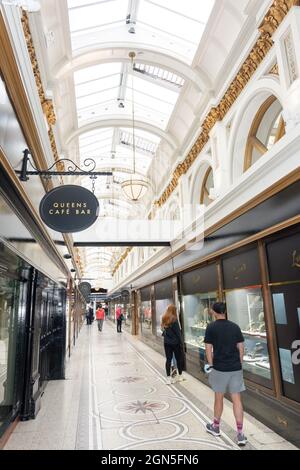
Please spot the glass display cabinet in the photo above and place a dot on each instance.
(199, 293)
(245, 307)
(197, 316)
(146, 317)
(163, 297)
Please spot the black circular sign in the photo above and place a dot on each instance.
(69, 208)
(85, 289)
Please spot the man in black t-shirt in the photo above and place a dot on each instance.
(224, 345)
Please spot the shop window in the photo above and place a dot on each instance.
(267, 129)
(12, 295)
(126, 310)
(146, 312)
(163, 298)
(284, 273)
(207, 185)
(245, 307)
(199, 289)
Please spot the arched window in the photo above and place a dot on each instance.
(207, 185)
(268, 127)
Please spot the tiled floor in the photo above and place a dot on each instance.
(115, 397)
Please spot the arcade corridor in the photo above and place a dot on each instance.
(115, 398)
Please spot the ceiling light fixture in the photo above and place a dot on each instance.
(135, 188)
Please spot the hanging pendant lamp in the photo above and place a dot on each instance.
(136, 187)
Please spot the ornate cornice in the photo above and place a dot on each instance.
(272, 20)
(274, 70)
(121, 259)
(46, 103)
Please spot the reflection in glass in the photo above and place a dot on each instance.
(9, 301)
(279, 309)
(161, 307)
(196, 316)
(245, 307)
(126, 310)
(298, 309)
(146, 317)
(286, 365)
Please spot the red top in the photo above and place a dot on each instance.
(100, 314)
(118, 312)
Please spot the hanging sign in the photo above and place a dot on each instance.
(69, 209)
(85, 289)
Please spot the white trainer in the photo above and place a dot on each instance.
(181, 378)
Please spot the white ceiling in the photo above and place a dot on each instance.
(182, 52)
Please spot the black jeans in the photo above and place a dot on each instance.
(177, 350)
(119, 326)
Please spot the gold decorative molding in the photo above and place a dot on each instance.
(271, 22)
(274, 70)
(121, 259)
(46, 104)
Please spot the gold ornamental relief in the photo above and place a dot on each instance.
(272, 20)
(46, 104)
(274, 70)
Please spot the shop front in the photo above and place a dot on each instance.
(14, 290)
(283, 254)
(253, 264)
(199, 290)
(243, 294)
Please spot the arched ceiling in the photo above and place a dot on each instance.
(83, 51)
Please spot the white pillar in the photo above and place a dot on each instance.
(287, 40)
(220, 159)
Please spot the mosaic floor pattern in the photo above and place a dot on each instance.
(115, 398)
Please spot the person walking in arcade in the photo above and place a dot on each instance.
(100, 315)
(172, 342)
(224, 345)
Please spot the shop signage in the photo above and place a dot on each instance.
(69, 209)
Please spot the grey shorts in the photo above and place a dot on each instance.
(222, 382)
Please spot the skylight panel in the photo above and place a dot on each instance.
(199, 10)
(144, 135)
(95, 135)
(97, 98)
(142, 144)
(96, 86)
(96, 72)
(159, 74)
(155, 91)
(170, 22)
(91, 15)
(157, 99)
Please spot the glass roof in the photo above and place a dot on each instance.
(176, 25)
(104, 92)
(114, 148)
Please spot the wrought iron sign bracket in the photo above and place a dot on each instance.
(72, 169)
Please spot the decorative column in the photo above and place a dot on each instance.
(287, 40)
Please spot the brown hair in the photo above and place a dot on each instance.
(169, 317)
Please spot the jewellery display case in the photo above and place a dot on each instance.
(245, 307)
(146, 317)
(196, 310)
(163, 297)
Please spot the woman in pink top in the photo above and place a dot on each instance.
(119, 318)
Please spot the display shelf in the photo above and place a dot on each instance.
(255, 334)
(188, 343)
